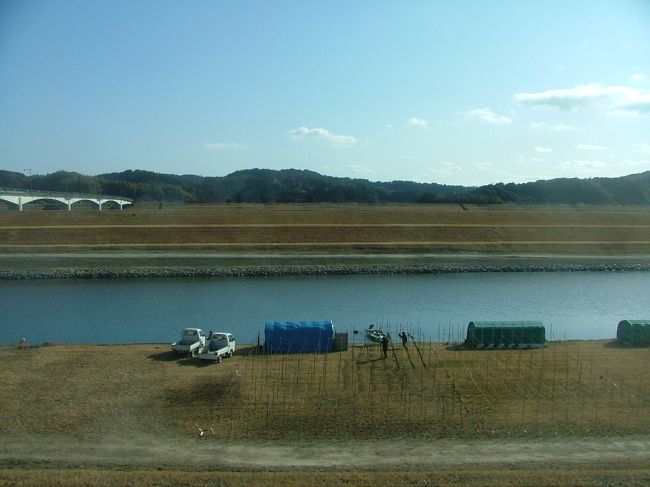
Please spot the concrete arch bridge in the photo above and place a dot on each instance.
(17, 198)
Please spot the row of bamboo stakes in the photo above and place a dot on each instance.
(432, 389)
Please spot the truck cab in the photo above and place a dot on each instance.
(192, 341)
(220, 345)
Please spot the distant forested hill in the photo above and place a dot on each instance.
(301, 186)
(627, 190)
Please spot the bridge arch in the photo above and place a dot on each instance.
(18, 198)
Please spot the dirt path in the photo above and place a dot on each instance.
(455, 257)
(155, 452)
(156, 254)
(328, 225)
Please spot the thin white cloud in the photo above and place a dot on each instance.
(581, 166)
(591, 147)
(542, 149)
(518, 177)
(224, 146)
(609, 99)
(486, 115)
(560, 127)
(637, 77)
(634, 164)
(360, 169)
(641, 148)
(442, 173)
(417, 122)
(319, 133)
(483, 166)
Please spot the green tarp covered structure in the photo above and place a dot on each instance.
(634, 333)
(506, 334)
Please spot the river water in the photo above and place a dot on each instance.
(438, 307)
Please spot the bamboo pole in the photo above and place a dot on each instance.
(417, 348)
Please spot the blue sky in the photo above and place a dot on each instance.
(455, 92)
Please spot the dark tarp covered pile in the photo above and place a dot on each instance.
(635, 333)
(507, 334)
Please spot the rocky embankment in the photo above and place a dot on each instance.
(310, 270)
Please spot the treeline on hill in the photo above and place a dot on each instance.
(301, 186)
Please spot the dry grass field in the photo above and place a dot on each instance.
(339, 228)
(226, 236)
(67, 395)
(430, 390)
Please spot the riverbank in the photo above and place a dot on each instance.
(574, 413)
(326, 239)
(427, 390)
(310, 270)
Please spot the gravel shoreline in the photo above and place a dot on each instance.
(310, 270)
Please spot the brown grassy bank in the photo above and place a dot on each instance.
(571, 387)
(58, 396)
(337, 228)
(203, 236)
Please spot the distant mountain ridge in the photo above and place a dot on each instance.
(304, 186)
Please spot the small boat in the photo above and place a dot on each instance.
(376, 335)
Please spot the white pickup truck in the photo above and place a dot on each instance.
(191, 343)
(220, 345)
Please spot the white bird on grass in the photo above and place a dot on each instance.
(203, 432)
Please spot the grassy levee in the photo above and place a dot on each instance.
(92, 392)
(567, 388)
(337, 214)
(373, 229)
(57, 395)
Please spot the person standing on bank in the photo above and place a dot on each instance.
(384, 345)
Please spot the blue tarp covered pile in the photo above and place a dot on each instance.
(299, 336)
